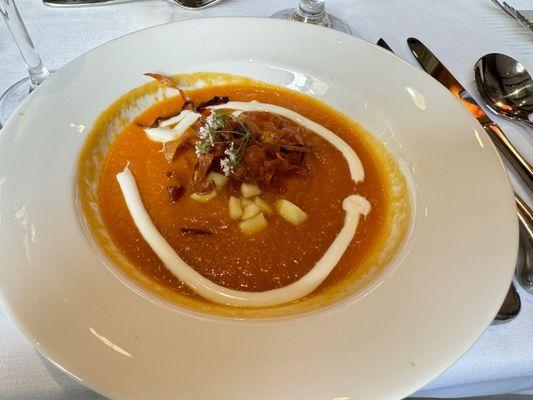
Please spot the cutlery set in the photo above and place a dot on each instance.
(431, 64)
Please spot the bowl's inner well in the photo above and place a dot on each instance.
(354, 274)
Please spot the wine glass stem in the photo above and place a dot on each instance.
(36, 70)
(312, 11)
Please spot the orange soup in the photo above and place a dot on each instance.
(194, 214)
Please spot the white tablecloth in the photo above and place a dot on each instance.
(458, 31)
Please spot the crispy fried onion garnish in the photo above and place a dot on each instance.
(269, 147)
(169, 82)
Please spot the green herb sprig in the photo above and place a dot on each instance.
(211, 134)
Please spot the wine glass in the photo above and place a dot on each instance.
(313, 12)
(37, 72)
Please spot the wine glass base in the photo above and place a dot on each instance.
(334, 22)
(12, 97)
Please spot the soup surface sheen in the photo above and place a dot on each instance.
(279, 254)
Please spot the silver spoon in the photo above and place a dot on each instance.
(506, 87)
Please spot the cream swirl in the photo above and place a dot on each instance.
(355, 206)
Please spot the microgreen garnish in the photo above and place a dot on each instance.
(213, 133)
(228, 163)
(209, 133)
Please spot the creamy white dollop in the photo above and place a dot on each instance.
(354, 164)
(354, 205)
(173, 128)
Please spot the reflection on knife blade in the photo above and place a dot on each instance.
(437, 70)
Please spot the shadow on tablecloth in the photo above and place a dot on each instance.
(68, 387)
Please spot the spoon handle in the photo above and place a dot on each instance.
(515, 159)
(524, 266)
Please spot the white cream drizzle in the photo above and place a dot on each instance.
(354, 164)
(166, 133)
(354, 205)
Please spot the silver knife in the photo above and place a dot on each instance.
(437, 70)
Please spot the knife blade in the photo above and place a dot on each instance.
(431, 64)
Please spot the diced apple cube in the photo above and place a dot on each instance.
(235, 207)
(263, 205)
(250, 190)
(250, 211)
(253, 225)
(219, 179)
(290, 211)
(246, 202)
(204, 198)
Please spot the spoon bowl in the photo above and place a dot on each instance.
(506, 87)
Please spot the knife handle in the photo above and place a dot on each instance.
(519, 163)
